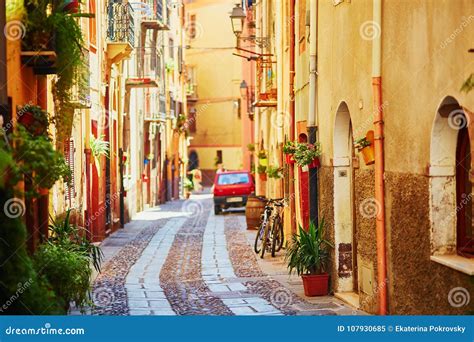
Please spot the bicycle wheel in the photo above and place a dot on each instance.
(265, 239)
(281, 234)
(277, 235)
(259, 238)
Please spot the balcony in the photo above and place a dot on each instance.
(155, 117)
(81, 96)
(141, 82)
(266, 92)
(120, 31)
(191, 92)
(154, 15)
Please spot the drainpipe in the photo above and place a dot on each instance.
(43, 200)
(120, 148)
(379, 157)
(313, 107)
(88, 154)
(5, 108)
(292, 117)
(3, 65)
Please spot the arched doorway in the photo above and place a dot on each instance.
(450, 181)
(344, 217)
(193, 161)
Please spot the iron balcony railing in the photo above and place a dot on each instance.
(120, 23)
(154, 9)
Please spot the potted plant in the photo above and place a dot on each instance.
(251, 147)
(65, 259)
(34, 119)
(53, 44)
(36, 157)
(274, 172)
(262, 158)
(170, 65)
(364, 146)
(289, 150)
(308, 256)
(99, 147)
(307, 154)
(71, 6)
(188, 187)
(180, 121)
(261, 170)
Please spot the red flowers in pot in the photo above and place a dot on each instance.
(307, 155)
(289, 150)
(34, 119)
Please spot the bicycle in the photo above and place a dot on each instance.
(271, 228)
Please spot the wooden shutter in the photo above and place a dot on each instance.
(70, 189)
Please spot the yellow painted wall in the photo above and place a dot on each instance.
(218, 76)
(425, 46)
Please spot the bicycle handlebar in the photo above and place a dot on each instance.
(276, 201)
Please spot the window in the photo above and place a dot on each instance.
(464, 236)
(233, 179)
(450, 201)
(219, 156)
(192, 120)
(92, 25)
(171, 48)
(302, 25)
(70, 189)
(192, 26)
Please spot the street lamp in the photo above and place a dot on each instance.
(237, 17)
(243, 89)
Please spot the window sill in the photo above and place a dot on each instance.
(459, 263)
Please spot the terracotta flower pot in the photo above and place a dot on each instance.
(43, 191)
(187, 194)
(289, 159)
(315, 163)
(71, 6)
(263, 176)
(26, 119)
(368, 154)
(315, 285)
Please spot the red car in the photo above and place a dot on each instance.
(231, 189)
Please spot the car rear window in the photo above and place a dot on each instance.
(233, 178)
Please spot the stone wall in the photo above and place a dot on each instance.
(417, 285)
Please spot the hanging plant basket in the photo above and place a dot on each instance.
(26, 119)
(71, 6)
(262, 176)
(307, 154)
(34, 119)
(43, 191)
(368, 154)
(365, 146)
(315, 163)
(290, 159)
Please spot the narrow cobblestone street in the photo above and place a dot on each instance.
(181, 259)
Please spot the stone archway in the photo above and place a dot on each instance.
(449, 119)
(344, 234)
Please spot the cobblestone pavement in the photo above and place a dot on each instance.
(181, 259)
